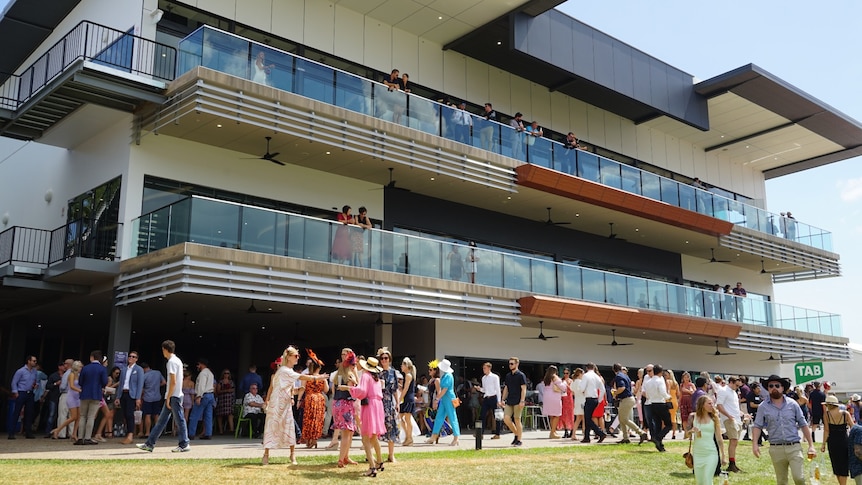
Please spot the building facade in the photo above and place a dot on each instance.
(177, 170)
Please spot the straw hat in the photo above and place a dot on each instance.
(371, 364)
(445, 366)
(855, 398)
(831, 400)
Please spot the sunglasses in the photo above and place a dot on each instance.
(774, 386)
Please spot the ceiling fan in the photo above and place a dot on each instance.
(772, 358)
(549, 222)
(391, 184)
(614, 342)
(712, 258)
(252, 310)
(614, 235)
(719, 353)
(541, 336)
(269, 157)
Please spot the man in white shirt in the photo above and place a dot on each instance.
(727, 403)
(655, 388)
(252, 408)
(593, 388)
(462, 122)
(173, 407)
(490, 390)
(204, 401)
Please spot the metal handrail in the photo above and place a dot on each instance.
(93, 42)
(43, 247)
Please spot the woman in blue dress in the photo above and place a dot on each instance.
(443, 404)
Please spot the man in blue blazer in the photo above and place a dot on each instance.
(131, 385)
(92, 380)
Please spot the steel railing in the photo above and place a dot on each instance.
(95, 43)
(42, 247)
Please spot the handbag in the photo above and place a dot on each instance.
(456, 402)
(689, 459)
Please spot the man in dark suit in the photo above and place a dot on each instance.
(131, 385)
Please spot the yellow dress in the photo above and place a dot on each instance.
(673, 389)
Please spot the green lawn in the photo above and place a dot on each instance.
(582, 465)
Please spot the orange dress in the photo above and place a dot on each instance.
(314, 411)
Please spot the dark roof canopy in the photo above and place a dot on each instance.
(799, 108)
(25, 25)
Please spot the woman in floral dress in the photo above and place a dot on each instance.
(279, 431)
(342, 405)
(390, 397)
(314, 405)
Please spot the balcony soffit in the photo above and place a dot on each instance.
(423, 17)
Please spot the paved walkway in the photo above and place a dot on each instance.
(230, 447)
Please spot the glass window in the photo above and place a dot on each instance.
(352, 93)
(610, 173)
(258, 230)
(544, 277)
(226, 53)
(516, 273)
(637, 293)
(615, 286)
(424, 115)
(651, 185)
(570, 281)
(214, 223)
(314, 81)
(670, 192)
(594, 285)
(588, 166)
(631, 179)
(425, 257)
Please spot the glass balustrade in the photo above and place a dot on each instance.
(240, 57)
(213, 222)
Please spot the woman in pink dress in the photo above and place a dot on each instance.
(279, 431)
(342, 248)
(552, 398)
(567, 419)
(370, 394)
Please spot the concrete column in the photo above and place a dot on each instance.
(119, 331)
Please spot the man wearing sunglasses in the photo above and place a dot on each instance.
(782, 418)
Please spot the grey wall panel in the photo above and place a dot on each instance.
(603, 50)
(561, 43)
(658, 85)
(582, 43)
(445, 217)
(630, 82)
(623, 73)
(640, 76)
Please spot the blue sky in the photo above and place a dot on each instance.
(813, 47)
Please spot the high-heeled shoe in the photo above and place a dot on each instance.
(432, 440)
(380, 467)
(265, 460)
(332, 446)
(348, 461)
(370, 473)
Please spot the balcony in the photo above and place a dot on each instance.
(218, 223)
(227, 53)
(90, 64)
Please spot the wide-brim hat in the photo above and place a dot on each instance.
(445, 366)
(370, 364)
(856, 398)
(774, 378)
(831, 400)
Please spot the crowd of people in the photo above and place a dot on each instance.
(383, 402)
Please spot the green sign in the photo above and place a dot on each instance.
(808, 371)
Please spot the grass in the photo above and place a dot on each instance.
(584, 465)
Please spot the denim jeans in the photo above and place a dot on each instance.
(50, 415)
(205, 407)
(172, 408)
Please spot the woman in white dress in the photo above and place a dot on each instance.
(580, 400)
(279, 431)
(261, 69)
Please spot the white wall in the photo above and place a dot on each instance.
(844, 374)
(500, 342)
(186, 161)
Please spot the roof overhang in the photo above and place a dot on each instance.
(796, 115)
(24, 25)
(566, 55)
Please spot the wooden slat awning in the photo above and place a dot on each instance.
(552, 181)
(618, 316)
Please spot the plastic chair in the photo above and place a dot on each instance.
(237, 410)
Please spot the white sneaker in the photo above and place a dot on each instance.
(180, 449)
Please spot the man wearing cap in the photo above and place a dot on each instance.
(782, 418)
